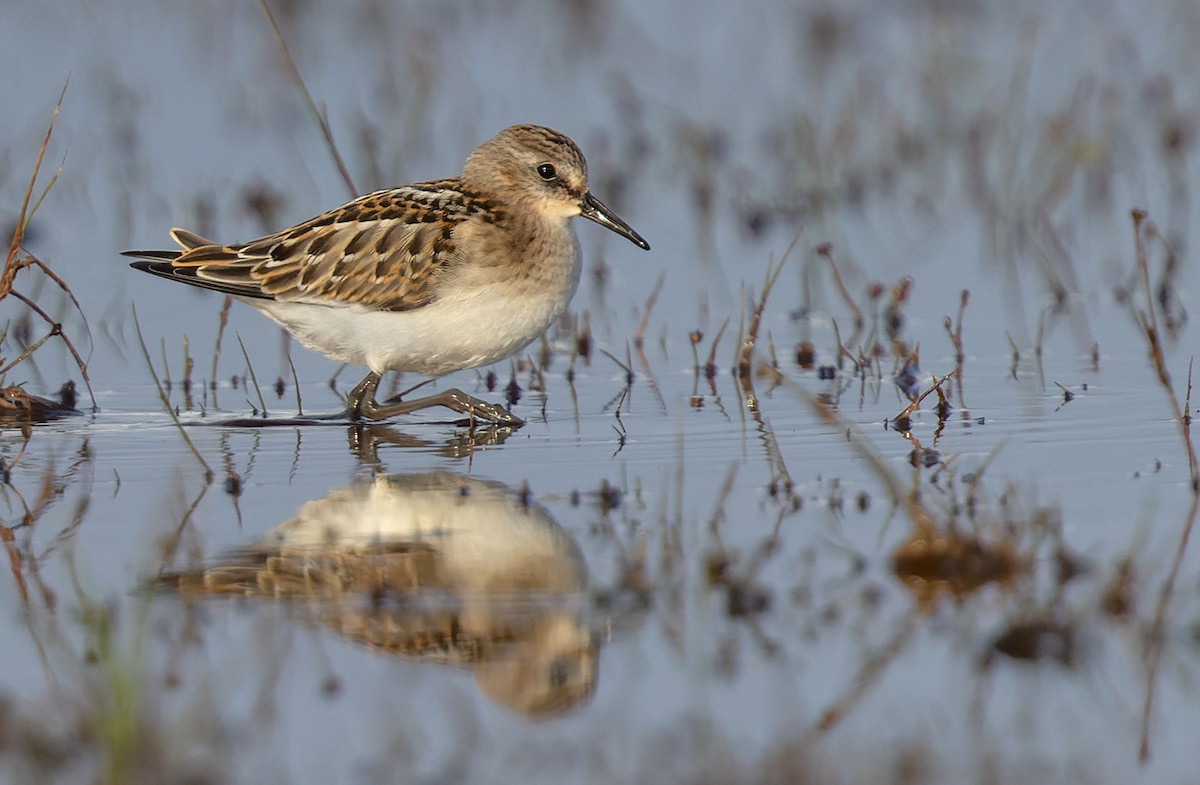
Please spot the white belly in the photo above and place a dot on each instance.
(454, 332)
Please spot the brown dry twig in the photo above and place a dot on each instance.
(1148, 322)
(746, 350)
(937, 385)
(826, 250)
(955, 331)
(640, 336)
(18, 259)
(166, 402)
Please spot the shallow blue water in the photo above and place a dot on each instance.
(977, 149)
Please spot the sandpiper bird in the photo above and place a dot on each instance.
(427, 278)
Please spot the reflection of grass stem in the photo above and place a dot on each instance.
(171, 543)
(622, 396)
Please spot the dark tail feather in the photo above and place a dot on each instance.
(159, 263)
(156, 256)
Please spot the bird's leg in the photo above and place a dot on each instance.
(454, 399)
(363, 392)
(361, 403)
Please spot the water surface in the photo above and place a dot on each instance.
(737, 584)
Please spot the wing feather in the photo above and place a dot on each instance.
(382, 251)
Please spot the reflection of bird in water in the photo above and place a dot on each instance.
(434, 567)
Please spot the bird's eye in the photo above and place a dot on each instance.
(547, 172)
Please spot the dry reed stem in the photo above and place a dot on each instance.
(746, 350)
(954, 331)
(1148, 321)
(253, 377)
(639, 336)
(222, 323)
(745, 378)
(296, 384)
(842, 351)
(15, 262)
(56, 330)
(710, 367)
(188, 365)
(11, 264)
(639, 343)
(29, 350)
(1016, 355)
(166, 402)
(826, 250)
(937, 385)
(626, 367)
(322, 121)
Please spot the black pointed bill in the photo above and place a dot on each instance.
(594, 210)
